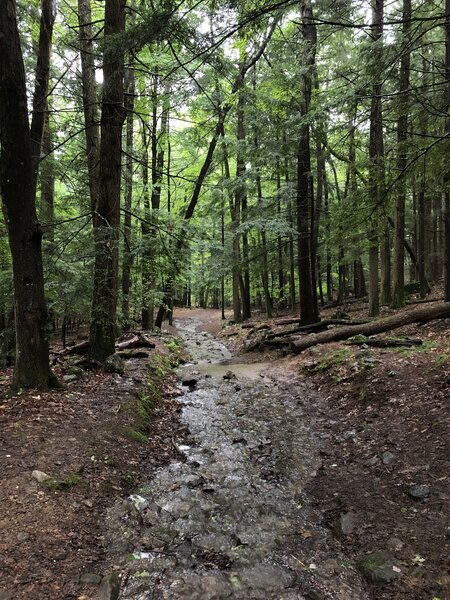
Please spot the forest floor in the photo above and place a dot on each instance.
(379, 425)
(383, 419)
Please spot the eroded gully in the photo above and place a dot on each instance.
(232, 519)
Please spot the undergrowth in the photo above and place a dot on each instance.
(152, 393)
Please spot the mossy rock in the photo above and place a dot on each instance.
(378, 567)
(78, 371)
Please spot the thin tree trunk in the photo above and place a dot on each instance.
(241, 199)
(147, 260)
(89, 92)
(385, 260)
(127, 262)
(47, 178)
(399, 298)
(446, 176)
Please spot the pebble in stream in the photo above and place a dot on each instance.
(231, 521)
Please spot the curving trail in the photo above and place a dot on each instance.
(231, 520)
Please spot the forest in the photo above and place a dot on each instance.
(224, 299)
(253, 155)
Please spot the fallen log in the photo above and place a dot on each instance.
(386, 342)
(321, 325)
(137, 341)
(81, 348)
(131, 353)
(419, 315)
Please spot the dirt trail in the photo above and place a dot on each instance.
(230, 518)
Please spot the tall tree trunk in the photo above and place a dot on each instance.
(47, 178)
(18, 190)
(147, 308)
(446, 177)
(402, 137)
(385, 262)
(42, 75)
(292, 224)
(376, 156)
(402, 157)
(127, 262)
(89, 92)
(222, 279)
(241, 200)
(235, 253)
(309, 310)
(104, 302)
(264, 263)
(279, 238)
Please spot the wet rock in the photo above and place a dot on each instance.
(214, 543)
(40, 476)
(229, 375)
(70, 378)
(201, 587)
(394, 544)
(379, 567)
(177, 508)
(115, 364)
(419, 491)
(90, 579)
(110, 587)
(388, 458)
(266, 579)
(23, 536)
(189, 380)
(139, 502)
(348, 522)
(371, 462)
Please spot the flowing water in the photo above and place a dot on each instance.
(232, 520)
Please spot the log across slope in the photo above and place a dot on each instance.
(418, 315)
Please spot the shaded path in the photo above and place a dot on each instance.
(230, 521)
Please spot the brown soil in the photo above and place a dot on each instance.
(81, 437)
(369, 402)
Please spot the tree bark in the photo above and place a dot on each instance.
(309, 311)
(446, 177)
(147, 308)
(399, 298)
(240, 209)
(104, 303)
(47, 178)
(89, 93)
(376, 156)
(18, 190)
(42, 74)
(128, 175)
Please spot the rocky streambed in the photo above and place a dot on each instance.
(230, 519)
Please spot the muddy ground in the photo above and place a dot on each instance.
(322, 450)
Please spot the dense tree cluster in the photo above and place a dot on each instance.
(244, 154)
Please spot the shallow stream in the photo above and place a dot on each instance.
(231, 520)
